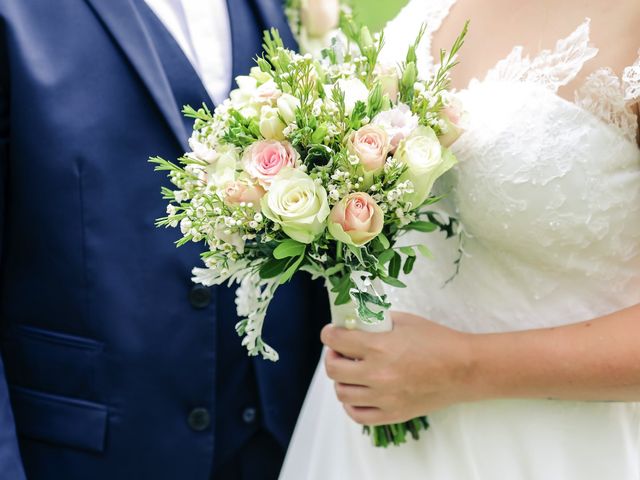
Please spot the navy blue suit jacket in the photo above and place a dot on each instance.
(109, 366)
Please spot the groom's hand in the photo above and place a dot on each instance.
(384, 378)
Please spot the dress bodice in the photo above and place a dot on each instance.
(547, 192)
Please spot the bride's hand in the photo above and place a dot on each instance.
(417, 368)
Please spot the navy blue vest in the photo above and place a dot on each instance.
(237, 415)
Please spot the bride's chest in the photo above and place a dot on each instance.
(540, 176)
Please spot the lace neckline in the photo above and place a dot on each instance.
(603, 93)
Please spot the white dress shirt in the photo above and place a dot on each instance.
(202, 30)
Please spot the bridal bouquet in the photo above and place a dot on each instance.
(316, 165)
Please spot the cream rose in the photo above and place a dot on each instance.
(298, 204)
(398, 122)
(356, 219)
(371, 145)
(426, 161)
(319, 17)
(265, 159)
(452, 131)
(388, 78)
(243, 191)
(287, 106)
(222, 169)
(271, 126)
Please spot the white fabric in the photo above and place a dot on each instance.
(202, 30)
(548, 194)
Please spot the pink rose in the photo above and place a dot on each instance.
(371, 145)
(398, 122)
(239, 191)
(356, 219)
(264, 159)
(452, 131)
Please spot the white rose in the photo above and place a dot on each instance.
(298, 204)
(287, 106)
(399, 123)
(271, 127)
(320, 16)
(200, 150)
(354, 91)
(223, 169)
(267, 93)
(426, 160)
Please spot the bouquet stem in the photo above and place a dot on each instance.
(396, 434)
(348, 316)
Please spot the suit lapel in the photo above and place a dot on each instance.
(273, 16)
(121, 18)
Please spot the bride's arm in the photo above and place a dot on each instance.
(421, 366)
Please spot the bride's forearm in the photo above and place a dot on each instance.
(597, 360)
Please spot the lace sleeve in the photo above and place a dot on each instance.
(608, 97)
(403, 30)
(550, 68)
(631, 81)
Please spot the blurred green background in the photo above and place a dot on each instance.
(376, 13)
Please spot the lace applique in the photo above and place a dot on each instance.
(551, 68)
(606, 96)
(430, 13)
(631, 81)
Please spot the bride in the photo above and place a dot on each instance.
(528, 361)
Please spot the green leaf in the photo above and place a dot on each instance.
(424, 250)
(272, 268)
(408, 251)
(289, 248)
(291, 269)
(395, 265)
(384, 241)
(408, 265)
(330, 272)
(422, 226)
(394, 282)
(385, 256)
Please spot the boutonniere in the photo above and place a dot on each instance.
(314, 22)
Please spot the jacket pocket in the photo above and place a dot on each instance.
(55, 362)
(59, 420)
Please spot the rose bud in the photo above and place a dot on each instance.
(319, 17)
(242, 191)
(371, 145)
(356, 219)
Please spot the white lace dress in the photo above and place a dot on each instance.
(548, 193)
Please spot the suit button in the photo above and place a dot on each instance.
(199, 419)
(249, 415)
(200, 296)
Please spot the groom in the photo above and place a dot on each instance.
(113, 365)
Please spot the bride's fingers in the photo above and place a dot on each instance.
(356, 395)
(349, 343)
(365, 415)
(343, 370)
